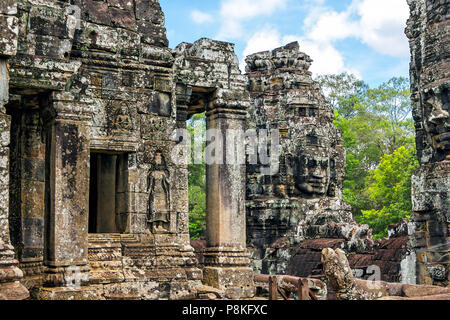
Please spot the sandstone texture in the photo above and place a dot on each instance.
(337, 269)
(296, 197)
(428, 32)
(94, 171)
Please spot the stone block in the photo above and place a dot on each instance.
(236, 283)
(97, 12)
(9, 27)
(13, 291)
(123, 18)
(8, 7)
(51, 46)
(50, 21)
(66, 294)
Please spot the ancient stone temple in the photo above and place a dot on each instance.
(301, 198)
(209, 80)
(428, 31)
(94, 204)
(10, 274)
(94, 159)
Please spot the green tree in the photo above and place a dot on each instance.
(196, 128)
(389, 190)
(197, 212)
(374, 123)
(391, 101)
(345, 92)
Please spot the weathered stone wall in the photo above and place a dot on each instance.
(90, 95)
(303, 199)
(10, 288)
(209, 80)
(97, 77)
(98, 204)
(428, 30)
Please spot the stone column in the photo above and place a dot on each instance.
(67, 205)
(431, 211)
(227, 264)
(27, 194)
(10, 288)
(5, 128)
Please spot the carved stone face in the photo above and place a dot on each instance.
(437, 121)
(158, 158)
(313, 175)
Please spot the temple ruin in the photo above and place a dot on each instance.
(94, 176)
(428, 31)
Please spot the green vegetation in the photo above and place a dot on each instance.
(196, 127)
(389, 190)
(379, 139)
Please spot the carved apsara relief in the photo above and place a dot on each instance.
(159, 203)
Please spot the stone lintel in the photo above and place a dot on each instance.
(227, 113)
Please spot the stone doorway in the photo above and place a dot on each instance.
(107, 192)
(196, 127)
(225, 257)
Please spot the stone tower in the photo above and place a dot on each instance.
(297, 195)
(429, 34)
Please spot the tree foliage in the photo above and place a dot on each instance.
(377, 128)
(196, 127)
(389, 190)
(378, 134)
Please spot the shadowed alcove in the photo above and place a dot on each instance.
(107, 193)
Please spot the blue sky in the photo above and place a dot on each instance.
(363, 37)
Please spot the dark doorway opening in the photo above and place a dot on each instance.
(108, 193)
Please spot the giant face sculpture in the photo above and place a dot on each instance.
(312, 175)
(436, 103)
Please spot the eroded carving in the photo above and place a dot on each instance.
(159, 196)
(304, 199)
(436, 120)
(428, 30)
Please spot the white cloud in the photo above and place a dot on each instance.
(327, 59)
(382, 26)
(244, 9)
(378, 23)
(332, 25)
(200, 17)
(234, 12)
(263, 40)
